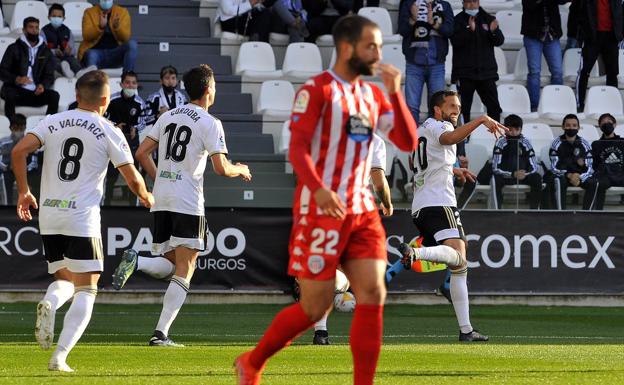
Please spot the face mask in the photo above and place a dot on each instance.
(513, 137)
(32, 37)
(56, 21)
(129, 92)
(607, 128)
(168, 89)
(106, 4)
(472, 12)
(570, 133)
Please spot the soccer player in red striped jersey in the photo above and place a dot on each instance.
(335, 220)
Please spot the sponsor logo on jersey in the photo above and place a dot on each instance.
(316, 263)
(61, 203)
(172, 176)
(302, 101)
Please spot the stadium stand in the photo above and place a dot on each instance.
(514, 99)
(555, 103)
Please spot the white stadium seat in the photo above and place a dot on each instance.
(5, 42)
(74, 11)
(284, 139)
(556, 102)
(621, 68)
(32, 121)
(571, 62)
(482, 136)
(589, 132)
(504, 75)
(302, 61)
(382, 18)
(256, 60)
(601, 99)
(276, 98)
(3, 30)
(514, 99)
(4, 126)
(393, 54)
(24, 9)
(114, 84)
(448, 65)
(67, 91)
(510, 22)
(539, 134)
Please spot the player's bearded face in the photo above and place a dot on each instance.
(450, 110)
(361, 66)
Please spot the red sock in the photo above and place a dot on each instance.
(365, 340)
(286, 326)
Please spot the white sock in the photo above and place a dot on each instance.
(76, 320)
(321, 324)
(157, 267)
(459, 295)
(59, 292)
(441, 253)
(173, 301)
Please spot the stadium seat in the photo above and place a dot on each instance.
(382, 18)
(32, 121)
(514, 99)
(477, 108)
(302, 61)
(555, 103)
(256, 60)
(113, 72)
(539, 134)
(4, 126)
(504, 76)
(601, 99)
(589, 132)
(493, 6)
(278, 39)
(284, 139)
(393, 54)
(619, 130)
(483, 137)
(73, 15)
(448, 65)
(3, 30)
(5, 42)
(114, 84)
(510, 23)
(30, 111)
(521, 69)
(571, 63)
(24, 9)
(276, 99)
(621, 68)
(67, 92)
(477, 155)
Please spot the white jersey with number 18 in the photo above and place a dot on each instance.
(78, 145)
(433, 167)
(186, 137)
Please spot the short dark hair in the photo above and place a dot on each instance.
(91, 86)
(514, 121)
(168, 70)
(56, 7)
(18, 120)
(29, 20)
(197, 81)
(349, 28)
(607, 115)
(437, 99)
(129, 73)
(570, 116)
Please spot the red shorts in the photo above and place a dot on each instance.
(319, 243)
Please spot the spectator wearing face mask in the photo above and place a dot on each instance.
(61, 41)
(27, 72)
(608, 153)
(166, 98)
(17, 127)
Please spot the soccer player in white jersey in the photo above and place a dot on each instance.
(434, 208)
(78, 146)
(185, 138)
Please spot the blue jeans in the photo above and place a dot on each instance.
(124, 55)
(554, 59)
(415, 78)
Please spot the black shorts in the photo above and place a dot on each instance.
(172, 230)
(77, 254)
(437, 224)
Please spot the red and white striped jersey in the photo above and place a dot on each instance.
(340, 119)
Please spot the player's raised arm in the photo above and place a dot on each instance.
(25, 199)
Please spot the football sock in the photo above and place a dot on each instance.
(173, 301)
(441, 253)
(59, 292)
(394, 270)
(287, 325)
(75, 322)
(157, 267)
(321, 324)
(365, 341)
(459, 295)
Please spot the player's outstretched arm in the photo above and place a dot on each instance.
(136, 184)
(380, 183)
(222, 166)
(462, 132)
(403, 133)
(25, 199)
(144, 156)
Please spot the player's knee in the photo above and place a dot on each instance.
(315, 310)
(371, 295)
(462, 262)
(87, 289)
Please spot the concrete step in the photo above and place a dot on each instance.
(259, 179)
(249, 197)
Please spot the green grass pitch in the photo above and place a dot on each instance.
(529, 345)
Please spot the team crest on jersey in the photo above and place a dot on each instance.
(124, 147)
(359, 128)
(302, 101)
(133, 111)
(316, 263)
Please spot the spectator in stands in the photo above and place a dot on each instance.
(474, 65)
(106, 31)
(17, 127)
(61, 42)
(514, 162)
(322, 15)
(608, 154)
(357, 4)
(601, 23)
(27, 72)
(290, 16)
(245, 17)
(126, 110)
(575, 39)
(571, 164)
(166, 98)
(426, 27)
(541, 27)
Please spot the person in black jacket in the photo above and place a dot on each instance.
(322, 15)
(61, 41)
(608, 154)
(474, 65)
(27, 71)
(514, 163)
(601, 23)
(571, 164)
(541, 28)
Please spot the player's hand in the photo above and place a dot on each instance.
(24, 203)
(115, 23)
(39, 90)
(103, 20)
(21, 80)
(494, 127)
(519, 174)
(493, 25)
(472, 23)
(414, 10)
(391, 77)
(463, 174)
(244, 171)
(330, 203)
(148, 201)
(387, 211)
(463, 161)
